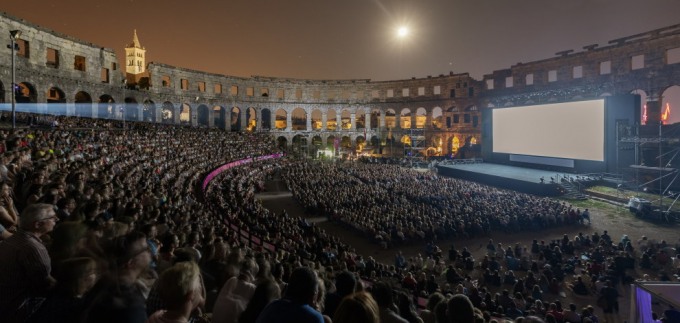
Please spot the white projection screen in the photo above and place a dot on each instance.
(572, 130)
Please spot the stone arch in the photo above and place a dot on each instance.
(421, 118)
(375, 119)
(25, 92)
(405, 118)
(375, 141)
(390, 118)
(643, 104)
(266, 118)
(345, 119)
(317, 119)
(105, 106)
(281, 119)
(55, 95)
(130, 109)
(56, 101)
(346, 142)
(168, 112)
(185, 114)
(83, 103)
(670, 101)
(317, 141)
(298, 118)
(360, 118)
(282, 143)
(437, 144)
(235, 119)
(331, 144)
(203, 115)
(455, 145)
(331, 120)
(300, 145)
(219, 115)
(251, 119)
(437, 118)
(149, 111)
(360, 142)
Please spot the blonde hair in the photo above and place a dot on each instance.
(357, 308)
(177, 282)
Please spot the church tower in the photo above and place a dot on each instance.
(135, 60)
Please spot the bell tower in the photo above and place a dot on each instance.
(135, 57)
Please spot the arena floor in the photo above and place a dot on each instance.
(616, 219)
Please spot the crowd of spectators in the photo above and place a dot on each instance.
(394, 205)
(102, 223)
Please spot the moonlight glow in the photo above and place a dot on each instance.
(402, 32)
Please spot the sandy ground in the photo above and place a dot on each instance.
(614, 218)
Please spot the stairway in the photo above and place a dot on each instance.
(572, 191)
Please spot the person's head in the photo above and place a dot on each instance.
(180, 285)
(266, 291)
(131, 254)
(460, 309)
(357, 308)
(67, 238)
(382, 293)
(302, 285)
(433, 300)
(76, 275)
(38, 218)
(345, 283)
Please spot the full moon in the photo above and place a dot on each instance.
(402, 31)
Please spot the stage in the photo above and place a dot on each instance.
(521, 179)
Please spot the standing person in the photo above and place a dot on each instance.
(296, 304)
(25, 269)
(117, 297)
(611, 304)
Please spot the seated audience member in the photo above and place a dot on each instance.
(235, 294)
(75, 277)
(25, 274)
(345, 284)
(181, 290)
(460, 309)
(357, 308)
(295, 306)
(266, 291)
(382, 293)
(117, 297)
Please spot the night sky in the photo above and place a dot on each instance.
(349, 39)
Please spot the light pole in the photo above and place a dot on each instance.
(123, 108)
(13, 36)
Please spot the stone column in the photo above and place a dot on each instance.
(324, 120)
(353, 121)
(308, 114)
(381, 119)
(367, 120)
(272, 122)
(338, 121)
(243, 119)
(289, 121)
(193, 117)
(413, 120)
(258, 119)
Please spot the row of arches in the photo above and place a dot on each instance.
(436, 145)
(84, 104)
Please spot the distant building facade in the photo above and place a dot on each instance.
(434, 116)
